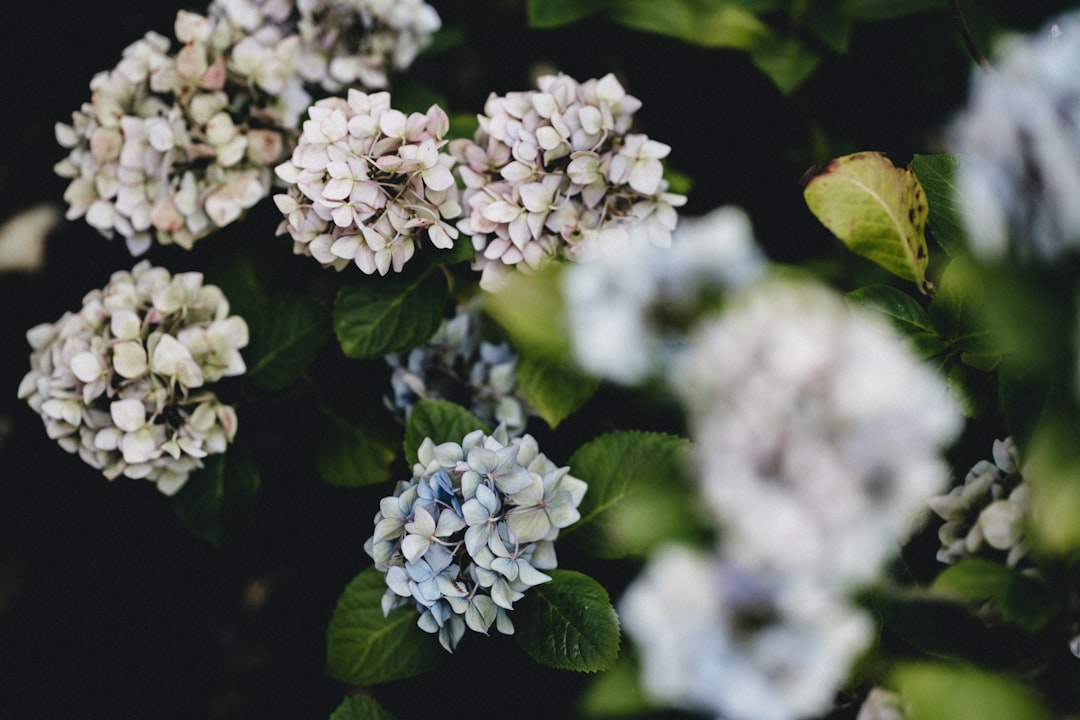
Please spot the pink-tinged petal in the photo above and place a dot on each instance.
(438, 178)
(501, 211)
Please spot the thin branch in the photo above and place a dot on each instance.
(969, 39)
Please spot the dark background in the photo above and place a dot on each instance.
(109, 607)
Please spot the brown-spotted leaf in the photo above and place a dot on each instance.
(876, 209)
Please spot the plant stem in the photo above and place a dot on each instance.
(969, 39)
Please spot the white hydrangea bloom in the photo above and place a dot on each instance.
(367, 184)
(818, 432)
(173, 145)
(1020, 138)
(472, 531)
(552, 171)
(628, 303)
(717, 640)
(123, 382)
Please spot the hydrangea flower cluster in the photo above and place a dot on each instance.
(717, 639)
(628, 308)
(472, 531)
(818, 441)
(1020, 140)
(342, 42)
(124, 382)
(367, 183)
(551, 170)
(175, 145)
(457, 364)
(985, 516)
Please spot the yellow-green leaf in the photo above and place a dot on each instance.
(876, 209)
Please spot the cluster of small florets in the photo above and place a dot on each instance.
(123, 382)
(457, 364)
(177, 144)
(550, 170)
(342, 42)
(367, 183)
(472, 531)
(1019, 139)
(986, 515)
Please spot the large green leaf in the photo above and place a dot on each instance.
(215, 496)
(945, 692)
(554, 389)
(786, 61)
(286, 334)
(440, 420)
(903, 312)
(530, 309)
(348, 456)
(634, 496)
(710, 23)
(568, 623)
(378, 316)
(360, 708)
(365, 648)
(875, 208)
(553, 13)
(937, 174)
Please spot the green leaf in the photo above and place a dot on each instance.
(348, 456)
(903, 312)
(939, 626)
(937, 174)
(440, 420)
(633, 498)
(286, 335)
(830, 26)
(787, 62)
(616, 693)
(1052, 466)
(545, 14)
(702, 22)
(365, 648)
(876, 209)
(360, 708)
(554, 389)
(213, 497)
(569, 623)
(958, 310)
(531, 311)
(383, 315)
(975, 579)
(943, 692)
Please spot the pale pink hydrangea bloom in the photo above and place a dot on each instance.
(124, 382)
(551, 172)
(174, 145)
(367, 183)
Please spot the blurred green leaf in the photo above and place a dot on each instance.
(621, 469)
(553, 13)
(360, 708)
(975, 579)
(903, 312)
(829, 25)
(568, 623)
(876, 209)
(937, 173)
(214, 497)
(530, 309)
(709, 23)
(365, 648)
(616, 692)
(440, 420)
(1052, 467)
(287, 333)
(348, 456)
(378, 316)
(944, 692)
(786, 61)
(554, 389)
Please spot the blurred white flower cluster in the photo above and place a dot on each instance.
(818, 439)
(472, 531)
(175, 144)
(457, 364)
(124, 382)
(367, 183)
(986, 515)
(551, 170)
(629, 306)
(1019, 138)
